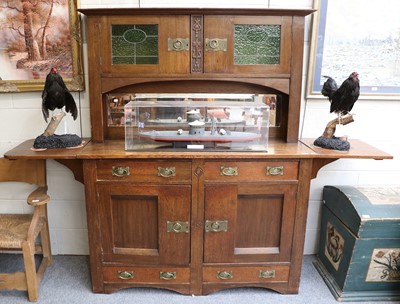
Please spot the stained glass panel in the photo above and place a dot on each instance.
(257, 44)
(134, 44)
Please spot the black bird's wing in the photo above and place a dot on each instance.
(45, 110)
(70, 105)
(329, 87)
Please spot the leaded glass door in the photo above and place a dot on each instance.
(148, 45)
(241, 44)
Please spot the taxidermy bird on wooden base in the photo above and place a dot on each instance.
(56, 95)
(342, 101)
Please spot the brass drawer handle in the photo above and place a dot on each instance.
(267, 274)
(166, 171)
(125, 275)
(178, 227)
(229, 171)
(216, 226)
(278, 170)
(224, 275)
(120, 171)
(168, 275)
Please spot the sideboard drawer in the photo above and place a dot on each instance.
(144, 171)
(127, 274)
(253, 274)
(251, 170)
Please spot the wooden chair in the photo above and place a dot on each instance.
(21, 231)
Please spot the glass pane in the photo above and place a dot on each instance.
(134, 44)
(257, 44)
(115, 105)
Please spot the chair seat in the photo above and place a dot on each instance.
(14, 229)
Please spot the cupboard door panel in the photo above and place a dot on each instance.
(260, 221)
(146, 44)
(136, 221)
(220, 208)
(137, 215)
(243, 44)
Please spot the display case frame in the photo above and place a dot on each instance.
(210, 122)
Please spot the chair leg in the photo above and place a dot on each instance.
(46, 245)
(30, 271)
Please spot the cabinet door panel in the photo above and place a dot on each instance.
(259, 222)
(253, 44)
(140, 44)
(135, 221)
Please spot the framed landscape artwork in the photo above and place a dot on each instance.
(36, 36)
(356, 36)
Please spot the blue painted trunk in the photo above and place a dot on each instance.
(359, 252)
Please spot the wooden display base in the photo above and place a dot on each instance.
(354, 296)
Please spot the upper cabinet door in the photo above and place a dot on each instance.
(146, 44)
(247, 44)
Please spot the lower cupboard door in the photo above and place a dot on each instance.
(145, 224)
(249, 222)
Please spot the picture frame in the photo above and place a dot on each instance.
(55, 41)
(356, 36)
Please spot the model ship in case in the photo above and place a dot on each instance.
(197, 121)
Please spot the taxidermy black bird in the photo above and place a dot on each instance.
(342, 98)
(56, 95)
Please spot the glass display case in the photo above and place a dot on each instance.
(197, 122)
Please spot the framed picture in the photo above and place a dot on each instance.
(36, 36)
(356, 36)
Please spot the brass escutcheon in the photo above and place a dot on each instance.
(215, 44)
(178, 227)
(178, 44)
(216, 226)
(120, 171)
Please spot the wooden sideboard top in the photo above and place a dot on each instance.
(194, 11)
(24, 150)
(114, 149)
(358, 149)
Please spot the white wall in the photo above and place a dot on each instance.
(21, 119)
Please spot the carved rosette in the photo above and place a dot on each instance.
(197, 44)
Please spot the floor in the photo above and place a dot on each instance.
(68, 281)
